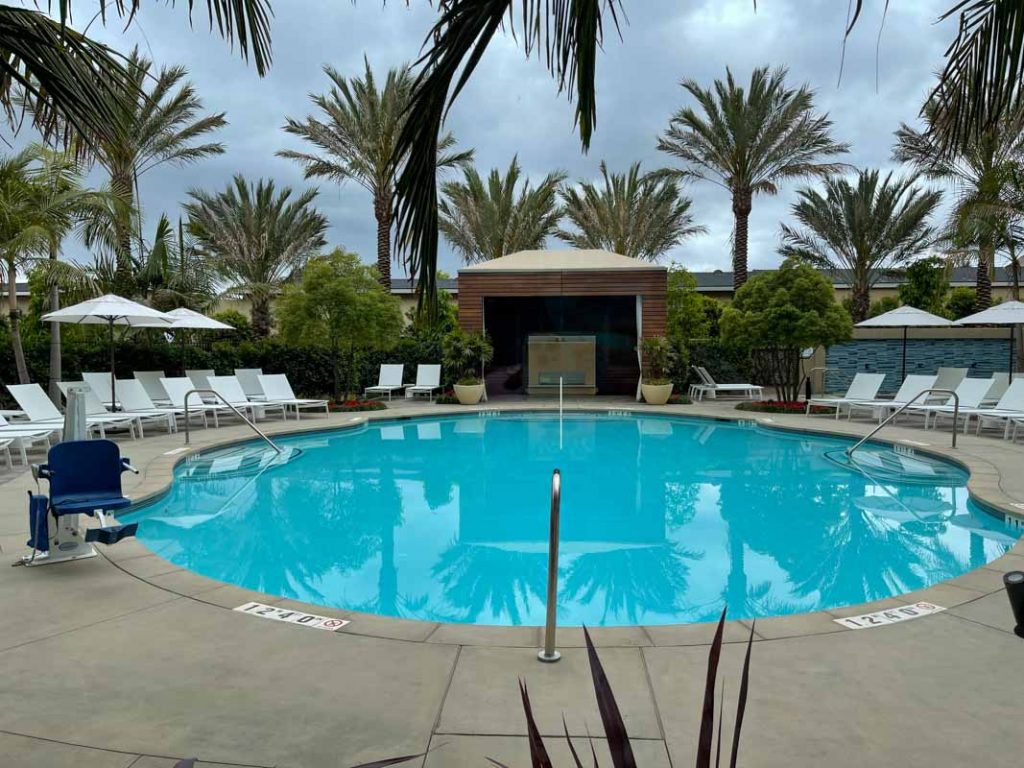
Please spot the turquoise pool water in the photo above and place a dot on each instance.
(663, 520)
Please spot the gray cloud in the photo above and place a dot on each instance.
(512, 106)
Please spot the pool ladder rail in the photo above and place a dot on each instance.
(238, 413)
(902, 408)
(548, 654)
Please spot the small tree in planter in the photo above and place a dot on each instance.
(777, 314)
(464, 355)
(658, 357)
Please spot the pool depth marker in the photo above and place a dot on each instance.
(891, 616)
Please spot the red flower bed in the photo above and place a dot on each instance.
(780, 406)
(344, 406)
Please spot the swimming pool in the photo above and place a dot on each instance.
(664, 519)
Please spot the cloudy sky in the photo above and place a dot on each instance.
(512, 106)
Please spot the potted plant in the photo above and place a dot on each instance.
(465, 354)
(657, 356)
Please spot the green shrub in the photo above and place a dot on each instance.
(465, 354)
(658, 356)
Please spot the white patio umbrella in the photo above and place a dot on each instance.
(905, 317)
(185, 318)
(1009, 313)
(110, 310)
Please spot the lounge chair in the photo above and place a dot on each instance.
(201, 378)
(1009, 407)
(93, 407)
(428, 381)
(971, 392)
(713, 388)
(946, 378)
(911, 387)
(134, 400)
(232, 392)
(100, 384)
(150, 381)
(23, 435)
(42, 412)
(249, 378)
(389, 381)
(1000, 383)
(864, 386)
(277, 388)
(179, 388)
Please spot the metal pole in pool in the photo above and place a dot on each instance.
(549, 654)
(559, 413)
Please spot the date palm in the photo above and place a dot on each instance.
(163, 125)
(77, 87)
(257, 238)
(356, 137)
(748, 141)
(982, 173)
(487, 219)
(865, 228)
(640, 216)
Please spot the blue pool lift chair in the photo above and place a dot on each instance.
(84, 478)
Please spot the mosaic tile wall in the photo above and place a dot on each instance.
(982, 357)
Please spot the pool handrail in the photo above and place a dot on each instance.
(902, 408)
(548, 653)
(238, 413)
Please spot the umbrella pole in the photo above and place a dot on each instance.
(113, 378)
(1013, 328)
(904, 375)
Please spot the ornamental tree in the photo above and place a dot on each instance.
(340, 304)
(777, 314)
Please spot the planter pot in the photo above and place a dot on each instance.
(656, 394)
(469, 394)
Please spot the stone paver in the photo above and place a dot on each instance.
(125, 655)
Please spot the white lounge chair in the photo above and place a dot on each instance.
(1000, 383)
(428, 381)
(277, 388)
(93, 407)
(201, 377)
(713, 388)
(249, 378)
(150, 381)
(389, 381)
(42, 412)
(864, 386)
(179, 388)
(23, 435)
(100, 384)
(135, 400)
(946, 378)
(232, 392)
(1009, 407)
(911, 387)
(970, 392)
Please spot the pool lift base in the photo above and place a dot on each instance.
(543, 656)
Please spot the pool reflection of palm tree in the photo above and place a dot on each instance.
(478, 578)
(630, 581)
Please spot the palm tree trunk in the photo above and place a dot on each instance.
(121, 185)
(741, 205)
(983, 288)
(260, 316)
(15, 315)
(1014, 272)
(860, 303)
(55, 351)
(382, 212)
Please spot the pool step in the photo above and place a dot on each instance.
(901, 466)
(236, 462)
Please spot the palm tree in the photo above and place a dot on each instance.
(357, 138)
(981, 172)
(748, 141)
(163, 125)
(76, 87)
(638, 216)
(257, 237)
(487, 220)
(41, 201)
(865, 229)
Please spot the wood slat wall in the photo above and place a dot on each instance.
(651, 284)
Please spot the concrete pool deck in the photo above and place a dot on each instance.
(126, 660)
